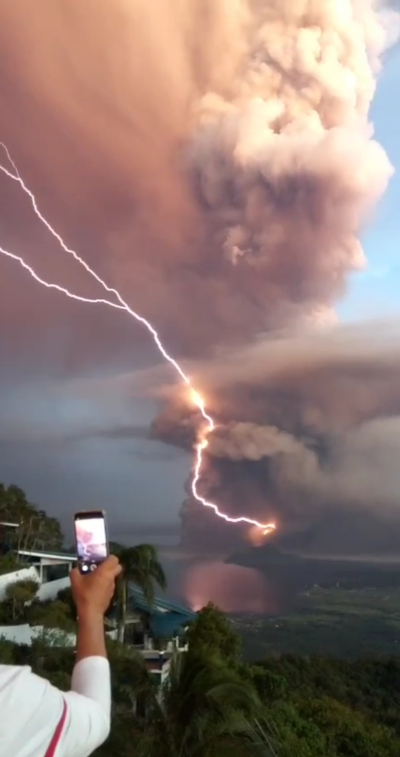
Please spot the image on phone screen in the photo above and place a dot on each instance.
(91, 541)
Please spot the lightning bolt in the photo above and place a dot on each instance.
(198, 401)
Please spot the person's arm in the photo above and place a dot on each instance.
(91, 674)
(31, 708)
(91, 638)
(92, 596)
(89, 701)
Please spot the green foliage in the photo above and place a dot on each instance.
(286, 706)
(53, 663)
(37, 529)
(22, 591)
(65, 596)
(14, 608)
(20, 606)
(332, 708)
(347, 732)
(212, 630)
(122, 738)
(207, 710)
(52, 614)
(141, 566)
(292, 734)
(312, 707)
(214, 705)
(270, 686)
(7, 652)
(9, 563)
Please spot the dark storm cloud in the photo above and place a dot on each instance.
(17, 432)
(65, 452)
(303, 425)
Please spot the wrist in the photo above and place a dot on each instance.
(88, 614)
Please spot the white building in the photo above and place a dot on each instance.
(153, 630)
(44, 562)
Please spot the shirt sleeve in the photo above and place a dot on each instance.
(88, 708)
(31, 709)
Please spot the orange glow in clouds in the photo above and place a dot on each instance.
(259, 536)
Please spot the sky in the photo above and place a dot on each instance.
(376, 291)
(72, 427)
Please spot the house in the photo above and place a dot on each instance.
(42, 567)
(49, 569)
(157, 621)
(4, 526)
(156, 630)
(50, 565)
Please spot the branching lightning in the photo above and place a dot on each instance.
(198, 401)
(59, 288)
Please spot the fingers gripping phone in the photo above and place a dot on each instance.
(91, 539)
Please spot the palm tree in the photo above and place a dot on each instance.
(205, 709)
(141, 567)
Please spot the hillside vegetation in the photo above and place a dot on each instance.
(215, 704)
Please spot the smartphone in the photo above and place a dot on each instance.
(91, 539)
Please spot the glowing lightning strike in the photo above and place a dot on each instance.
(49, 285)
(196, 397)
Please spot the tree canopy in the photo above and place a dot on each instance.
(142, 567)
(213, 630)
(214, 704)
(37, 530)
(312, 707)
(206, 710)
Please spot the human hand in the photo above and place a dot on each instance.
(93, 593)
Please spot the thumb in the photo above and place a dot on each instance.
(75, 577)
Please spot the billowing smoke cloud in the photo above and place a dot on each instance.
(287, 172)
(216, 161)
(212, 158)
(247, 441)
(306, 426)
(285, 163)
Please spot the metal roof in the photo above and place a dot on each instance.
(49, 555)
(158, 604)
(166, 618)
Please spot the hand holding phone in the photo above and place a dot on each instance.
(93, 594)
(91, 539)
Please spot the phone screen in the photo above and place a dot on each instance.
(91, 540)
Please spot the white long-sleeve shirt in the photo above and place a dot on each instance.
(31, 708)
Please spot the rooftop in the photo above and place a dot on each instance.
(166, 618)
(47, 555)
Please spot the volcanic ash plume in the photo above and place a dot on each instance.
(307, 427)
(227, 167)
(287, 172)
(284, 159)
(223, 158)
